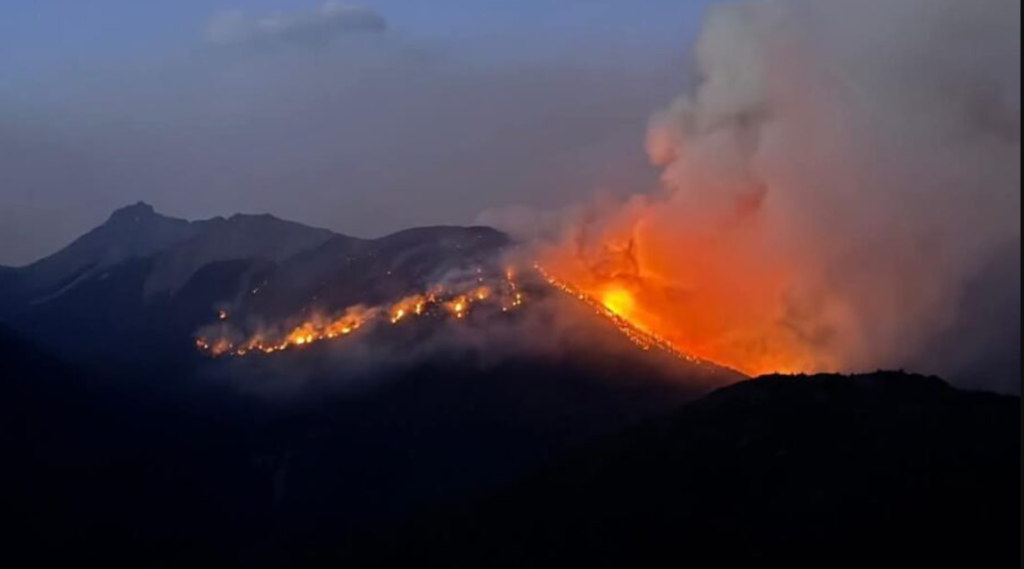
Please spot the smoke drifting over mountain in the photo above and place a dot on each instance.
(835, 186)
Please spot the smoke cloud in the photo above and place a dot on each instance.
(332, 20)
(836, 184)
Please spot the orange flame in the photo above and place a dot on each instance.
(707, 298)
(457, 303)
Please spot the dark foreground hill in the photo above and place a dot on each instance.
(825, 470)
(124, 446)
(122, 442)
(166, 470)
(881, 470)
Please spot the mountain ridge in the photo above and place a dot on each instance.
(806, 470)
(146, 283)
(139, 231)
(132, 232)
(109, 408)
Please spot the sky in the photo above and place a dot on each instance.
(364, 119)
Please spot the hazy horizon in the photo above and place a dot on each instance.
(363, 120)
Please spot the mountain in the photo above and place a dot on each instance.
(108, 406)
(125, 445)
(137, 289)
(806, 471)
(180, 247)
(260, 237)
(131, 233)
(94, 469)
(345, 272)
(432, 470)
(123, 471)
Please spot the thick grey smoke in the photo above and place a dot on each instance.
(837, 184)
(319, 27)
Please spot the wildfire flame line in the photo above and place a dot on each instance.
(645, 340)
(457, 304)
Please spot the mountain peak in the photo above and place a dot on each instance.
(132, 232)
(135, 213)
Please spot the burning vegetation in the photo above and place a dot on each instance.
(616, 306)
(455, 302)
(820, 208)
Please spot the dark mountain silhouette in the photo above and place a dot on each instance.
(796, 470)
(346, 271)
(131, 233)
(821, 471)
(97, 470)
(125, 446)
(134, 291)
(242, 237)
(133, 472)
(131, 445)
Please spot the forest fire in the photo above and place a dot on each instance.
(720, 325)
(615, 305)
(455, 302)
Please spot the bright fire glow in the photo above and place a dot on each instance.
(620, 301)
(721, 318)
(643, 339)
(458, 303)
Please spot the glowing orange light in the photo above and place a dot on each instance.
(620, 301)
(317, 328)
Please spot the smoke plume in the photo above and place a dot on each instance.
(835, 184)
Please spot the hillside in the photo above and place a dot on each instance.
(820, 471)
(135, 291)
(531, 435)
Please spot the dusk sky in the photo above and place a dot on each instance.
(361, 119)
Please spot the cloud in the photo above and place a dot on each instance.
(321, 26)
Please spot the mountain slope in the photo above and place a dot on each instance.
(345, 272)
(124, 471)
(121, 472)
(135, 232)
(242, 237)
(136, 290)
(820, 471)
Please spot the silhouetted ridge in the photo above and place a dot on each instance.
(138, 213)
(141, 285)
(240, 238)
(804, 471)
(134, 232)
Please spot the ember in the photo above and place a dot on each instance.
(456, 302)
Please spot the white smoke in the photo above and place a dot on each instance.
(839, 177)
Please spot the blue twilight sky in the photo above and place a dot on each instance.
(53, 30)
(460, 106)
